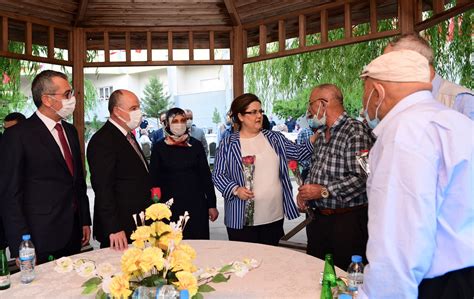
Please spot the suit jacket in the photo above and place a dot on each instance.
(199, 134)
(3, 242)
(120, 181)
(37, 191)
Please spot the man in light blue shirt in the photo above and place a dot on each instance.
(420, 187)
(450, 94)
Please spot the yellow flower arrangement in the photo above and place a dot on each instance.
(158, 211)
(120, 287)
(187, 281)
(158, 258)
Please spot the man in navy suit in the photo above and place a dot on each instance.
(42, 187)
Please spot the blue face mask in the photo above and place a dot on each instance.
(372, 122)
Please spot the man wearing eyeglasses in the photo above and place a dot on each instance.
(335, 186)
(42, 185)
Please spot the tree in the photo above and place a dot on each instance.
(216, 117)
(155, 100)
(285, 83)
(11, 97)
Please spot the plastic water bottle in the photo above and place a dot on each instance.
(27, 260)
(163, 292)
(355, 274)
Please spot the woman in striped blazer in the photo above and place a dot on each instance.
(272, 192)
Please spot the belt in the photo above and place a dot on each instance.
(329, 212)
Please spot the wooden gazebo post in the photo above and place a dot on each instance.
(79, 53)
(238, 65)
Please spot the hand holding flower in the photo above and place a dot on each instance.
(244, 193)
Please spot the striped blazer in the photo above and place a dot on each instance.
(228, 173)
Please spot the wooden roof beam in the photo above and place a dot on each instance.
(234, 15)
(81, 12)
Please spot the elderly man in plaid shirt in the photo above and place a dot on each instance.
(335, 186)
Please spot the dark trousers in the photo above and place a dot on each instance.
(73, 246)
(457, 284)
(343, 235)
(269, 234)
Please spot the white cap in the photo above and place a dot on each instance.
(399, 66)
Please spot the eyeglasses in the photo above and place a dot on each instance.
(68, 94)
(254, 112)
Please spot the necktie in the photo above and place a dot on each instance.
(131, 140)
(65, 147)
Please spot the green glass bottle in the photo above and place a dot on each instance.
(4, 272)
(326, 292)
(329, 273)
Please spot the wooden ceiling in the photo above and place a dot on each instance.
(155, 13)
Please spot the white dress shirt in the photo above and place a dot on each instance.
(49, 123)
(421, 197)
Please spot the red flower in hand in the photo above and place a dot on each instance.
(293, 165)
(155, 194)
(248, 160)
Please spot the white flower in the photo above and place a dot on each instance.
(78, 263)
(105, 270)
(240, 269)
(208, 272)
(106, 284)
(87, 269)
(63, 265)
(252, 263)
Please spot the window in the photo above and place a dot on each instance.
(104, 93)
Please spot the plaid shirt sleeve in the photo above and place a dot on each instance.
(352, 185)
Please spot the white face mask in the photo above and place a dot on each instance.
(316, 122)
(178, 129)
(68, 107)
(135, 118)
(189, 123)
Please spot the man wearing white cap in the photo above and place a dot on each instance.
(421, 199)
(452, 95)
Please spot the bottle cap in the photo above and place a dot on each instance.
(184, 294)
(26, 237)
(356, 259)
(344, 296)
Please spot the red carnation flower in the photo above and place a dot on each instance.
(293, 165)
(155, 193)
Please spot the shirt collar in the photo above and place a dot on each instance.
(403, 104)
(124, 132)
(437, 80)
(339, 121)
(49, 123)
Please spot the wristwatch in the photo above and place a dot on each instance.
(324, 192)
(234, 192)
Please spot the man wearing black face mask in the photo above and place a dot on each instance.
(119, 172)
(335, 185)
(42, 185)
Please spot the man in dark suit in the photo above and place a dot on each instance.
(119, 172)
(42, 187)
(9, 121)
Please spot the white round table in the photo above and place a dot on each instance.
(283, 273)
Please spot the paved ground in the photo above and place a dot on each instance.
(217, 228)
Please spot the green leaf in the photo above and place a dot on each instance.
(225, 268)
(205, 288)
(101, 294)
(198, 296)
(89, 289)
(153, 281)
(220, 278)
(92, 281)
